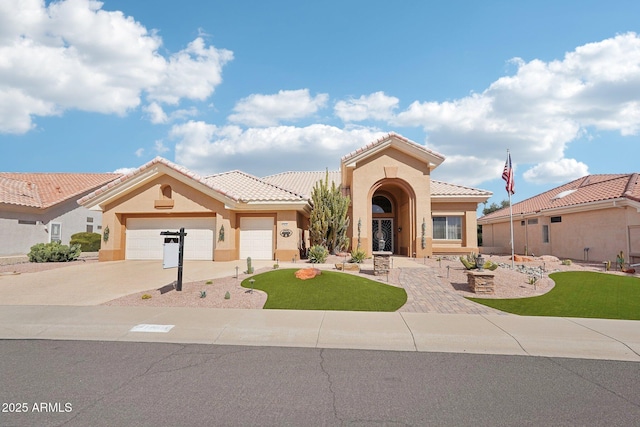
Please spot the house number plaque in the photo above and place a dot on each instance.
(286, 232)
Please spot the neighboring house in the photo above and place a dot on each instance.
(234, 215)
(42, 207)
(592, 218)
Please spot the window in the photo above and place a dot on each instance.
(26, 222)
(545, 234)
(381, 204)
(89, 228)
(89, 219)
(556, 219)
(533, 221)
(56, 232)
(447, 227)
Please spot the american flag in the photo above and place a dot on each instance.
(507, 175)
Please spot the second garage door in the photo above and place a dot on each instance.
(256, 238)
(145, 242)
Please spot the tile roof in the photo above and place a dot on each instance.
(236, 185)
(439, 188)
(127, 177)
(588, 189)
(384, 139)
(248, 188)
(43, 190)
(302, 182)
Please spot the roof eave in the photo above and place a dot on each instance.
(619, 202)
(480, 198)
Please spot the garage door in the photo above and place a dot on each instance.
(256, 238)
(145, 242)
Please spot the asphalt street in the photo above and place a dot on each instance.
(95, 383)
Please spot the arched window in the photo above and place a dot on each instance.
(166, 192)
(381, 204)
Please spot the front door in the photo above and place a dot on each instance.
(382, 230)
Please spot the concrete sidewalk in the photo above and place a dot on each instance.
(424, 332)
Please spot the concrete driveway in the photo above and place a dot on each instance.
(97, 283)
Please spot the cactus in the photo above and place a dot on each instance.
(469, 265)
(249, 267)
(227, 295)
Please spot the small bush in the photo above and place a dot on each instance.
(209, 282)
(146, 296)
(566, 262)
(358, 256)
(89, 242)
(53, 252)
(227, 295)
(318, 254)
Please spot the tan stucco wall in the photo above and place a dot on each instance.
(409, 173)
(604, 231)
(287, 247)
(469, 241)
(141, 202)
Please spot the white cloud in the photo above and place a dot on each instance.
(271, 110)
(208, 148)
(156, 113)
(74, 55)
(376, 106)
(124, 171)
(159, 147)
(563, 170)
(139, 152)
(540, 109)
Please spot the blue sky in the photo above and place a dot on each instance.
(270, 86)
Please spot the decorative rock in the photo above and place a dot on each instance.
(348, 266)
(307, 273)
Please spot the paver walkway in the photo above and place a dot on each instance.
(427, 293)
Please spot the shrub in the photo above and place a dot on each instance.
(53, 252)
(89, 242)
(318, 254)
(566, 262)
(146, 296)
(358, 256)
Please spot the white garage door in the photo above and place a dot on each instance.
(256, 238)
(145, 242)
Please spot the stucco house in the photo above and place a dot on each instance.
(42, 207)
(592, 218)
(234, 215)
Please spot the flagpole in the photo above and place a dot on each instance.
(511, 224)
(507, 175)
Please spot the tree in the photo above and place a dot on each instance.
(495, 207)
(329, 221)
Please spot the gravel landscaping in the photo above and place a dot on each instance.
(508, 283)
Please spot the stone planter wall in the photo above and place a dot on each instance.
(481, 282)
(381, 263)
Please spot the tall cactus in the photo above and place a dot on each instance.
(329, 221)
(249, 267)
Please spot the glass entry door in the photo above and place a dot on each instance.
(382, 229)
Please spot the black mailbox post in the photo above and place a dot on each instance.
(180, 235)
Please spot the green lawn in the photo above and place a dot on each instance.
(579, 294)
(329, 291)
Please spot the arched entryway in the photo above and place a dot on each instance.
(392, 217)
